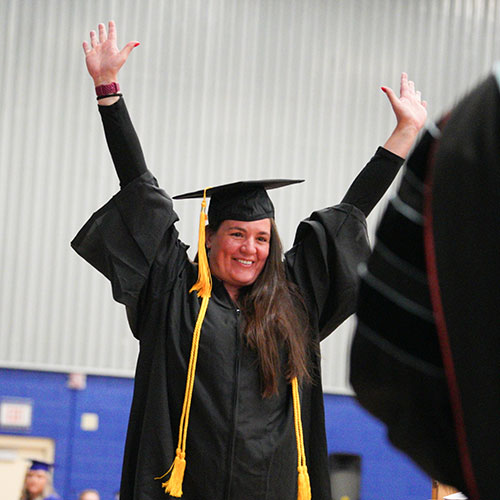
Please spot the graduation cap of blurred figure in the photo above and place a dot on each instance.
(40, 465)
(243, 200)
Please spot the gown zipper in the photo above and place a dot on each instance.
(235, 405)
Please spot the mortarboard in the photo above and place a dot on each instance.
(40, 465)
(242, 200)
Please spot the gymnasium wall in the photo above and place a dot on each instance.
(218, 90)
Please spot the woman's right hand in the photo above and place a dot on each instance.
(102, 56)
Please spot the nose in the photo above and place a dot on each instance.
(248, 246)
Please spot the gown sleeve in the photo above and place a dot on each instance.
(123, 143)
(373, 181)
(134, 229)
(331, 243)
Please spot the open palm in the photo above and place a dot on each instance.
(102, 56)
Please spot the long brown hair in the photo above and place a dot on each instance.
(276, 318)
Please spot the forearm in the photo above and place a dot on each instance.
(401, 140)
(374, 180)
(122, 140)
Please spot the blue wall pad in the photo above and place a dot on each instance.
(92, 459)
(385, 472)
(84, 459)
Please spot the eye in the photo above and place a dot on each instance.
(236, 234)
(263, 239)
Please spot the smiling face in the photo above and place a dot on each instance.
(238, 252)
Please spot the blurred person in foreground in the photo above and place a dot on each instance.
(426, 353)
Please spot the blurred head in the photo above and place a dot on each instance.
(37, 483)
(89, 495)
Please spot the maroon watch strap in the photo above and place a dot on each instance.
(109, 88)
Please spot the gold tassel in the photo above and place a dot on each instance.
(304, 486)
(303, 483)
(204, 284)
(173, 486)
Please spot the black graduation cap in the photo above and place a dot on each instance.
(40, 465)
(242, 200)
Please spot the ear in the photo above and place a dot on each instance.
(208, 237)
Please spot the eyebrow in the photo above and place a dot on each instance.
(232, 228)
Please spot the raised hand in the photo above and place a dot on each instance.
(411, 114)
(102, 56)
(409, 108)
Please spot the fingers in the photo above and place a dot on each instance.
(390, 95)
(103, 36)
(403, 87)
(128, 48)
(111, 30)
(93, 39)
(407, 88)
(406, 85)
(102, 33)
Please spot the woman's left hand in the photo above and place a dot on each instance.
(411, 114)
(409, 108)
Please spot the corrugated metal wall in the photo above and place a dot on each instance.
(219, 90)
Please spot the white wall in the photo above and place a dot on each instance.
(219, 90)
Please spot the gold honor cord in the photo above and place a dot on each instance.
(304, 485)
(203, 286)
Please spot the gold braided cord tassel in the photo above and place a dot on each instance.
(304, 486)
(303, 482)
(174, 485)
(203, 286)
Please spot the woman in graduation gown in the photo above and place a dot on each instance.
(230, 423)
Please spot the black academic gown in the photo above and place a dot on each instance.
(239, 446)
(429, 367)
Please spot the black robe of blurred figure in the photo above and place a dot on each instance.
(429, 367)
(240, 446)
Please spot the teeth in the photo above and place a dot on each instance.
(246, 262)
